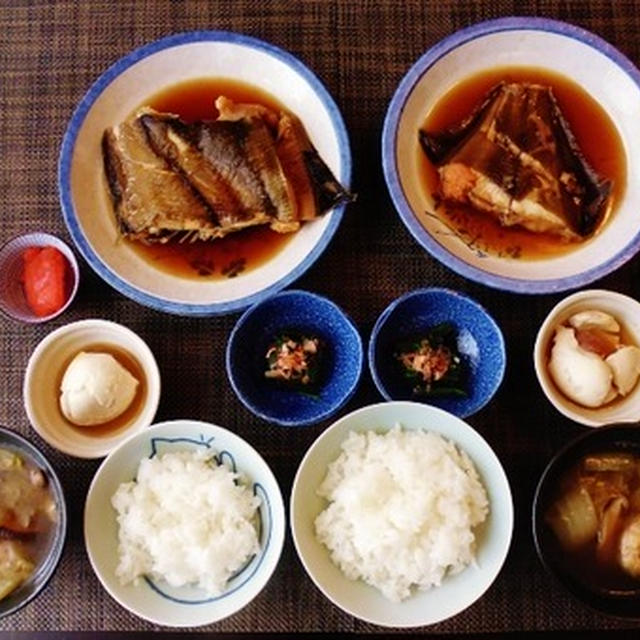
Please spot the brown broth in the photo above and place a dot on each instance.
(241, 251)
(119, 423)
(594, 131)
(601, 572)
(36, 543)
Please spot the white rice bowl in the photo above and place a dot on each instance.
(402, 510)
(152, 597)
(457, 590)
(186, 502)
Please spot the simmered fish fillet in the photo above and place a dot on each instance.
(206, 179)
(516, 158)
(144, 187)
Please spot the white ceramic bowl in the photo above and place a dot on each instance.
(627, 311)
(12, 298)
(41, 389)
(87, 208)
(154, 600)
(602, 71)
(457, 592)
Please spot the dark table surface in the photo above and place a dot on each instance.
(50, 53)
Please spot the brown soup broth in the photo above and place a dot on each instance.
(132, 365)
(241, 251)
(593, 129)
(38, 543)
(584, 564)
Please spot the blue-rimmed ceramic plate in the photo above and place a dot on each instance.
(154, 600)
(597, 67)
(478, 339)
(126, 85)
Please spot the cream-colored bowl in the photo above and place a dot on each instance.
(627, 311)
(41, 390)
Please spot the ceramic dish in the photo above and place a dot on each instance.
(579, 578)
(478, 339)
(126, 85)
(590, 62)
(457, 592)
(155, 600)
(50, 555)
(311, 315)
(626, 311)
(46, 366)
(12, 296)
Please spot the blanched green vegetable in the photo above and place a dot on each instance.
(431, 363)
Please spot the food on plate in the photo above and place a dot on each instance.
(45, 279)
(27, 512)
(15, 566)
(96, 389)
(595, 517)
(515, 158)
(402, 510)
(205, 179)
(590, 362)
(294, 360)
(186, 520)
(431, 362)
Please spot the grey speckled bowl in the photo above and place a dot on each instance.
(309, 314)
(480, 343)
(50, 556)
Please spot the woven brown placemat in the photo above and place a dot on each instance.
(50, 53)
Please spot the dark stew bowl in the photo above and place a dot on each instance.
(46, 551)
(607, 590)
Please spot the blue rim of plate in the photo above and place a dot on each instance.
(442, 291)
(324, 415)
(68, 144)
(390, 127)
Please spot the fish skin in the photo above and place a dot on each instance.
(227, 174)
(523, 164)
(149, 198)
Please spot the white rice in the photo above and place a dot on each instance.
(186, 521)
(402, 510)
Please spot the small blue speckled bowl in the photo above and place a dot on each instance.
(309, 314)
(480, 343)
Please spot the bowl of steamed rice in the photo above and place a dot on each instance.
(401, 514)
(184, 523)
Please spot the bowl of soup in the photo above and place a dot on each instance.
(33, 517)
(586, 519)
(507, 150)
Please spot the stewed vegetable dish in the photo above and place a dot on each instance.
(596, 519)
(27, 514)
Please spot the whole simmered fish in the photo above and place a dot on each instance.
(206, 179)
(516, 158)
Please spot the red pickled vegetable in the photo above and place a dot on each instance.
(44, 279)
